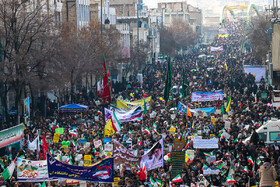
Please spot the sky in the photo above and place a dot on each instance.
(151, 3)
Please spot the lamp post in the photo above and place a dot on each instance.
(101, 12)
(138, 22)
(162, 16)
(2, 88)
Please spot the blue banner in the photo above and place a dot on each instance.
(207, 96)
(100, 172)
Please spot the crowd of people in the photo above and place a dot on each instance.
(248, 111)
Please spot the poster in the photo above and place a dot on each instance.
(206, 143)
(87, 160)
(97, 143)
(31, 171)
(100, 172)
(123, 156)
(207, 96)
(154, 157)
(177, 162)
(190, 154)
(56, 137)
(129, 105)
(220, 48)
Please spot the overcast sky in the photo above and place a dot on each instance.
(151, 3)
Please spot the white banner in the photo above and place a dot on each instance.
(206, 143)
(210, 171)
(154, 157)
(220, 48)
(258, 71)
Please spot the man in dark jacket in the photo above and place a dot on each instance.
(255, 137)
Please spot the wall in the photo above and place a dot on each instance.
(276, 47)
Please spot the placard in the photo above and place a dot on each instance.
(207, 96)
(179, 144)
(210, 171)
(172, 130)
(177, 162)
(65, 148)
(227, 125)
(211, 159)
(206, 143)
(59, 130)
(190, 154)
(87, 160)
(109, 154)
(56, 137)
(108, 147)
(97, 143)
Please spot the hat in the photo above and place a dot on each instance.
(267, 159)
(201, 175)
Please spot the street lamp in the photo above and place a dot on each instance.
(162, 16)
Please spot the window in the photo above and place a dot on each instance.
(262, 136)
(274, 136)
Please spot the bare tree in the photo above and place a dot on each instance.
(23, 28)
(178, 35)
(258, 37)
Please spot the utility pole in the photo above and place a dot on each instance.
(138, 22)
(101, 11)
(2, 88)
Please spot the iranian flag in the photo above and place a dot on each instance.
(259, 162)
(155, 126)
(139, 120)
(207, 154)
(139, 142)
(99, 112)
(188, 144)
(227, 154)
(230, 180)
(152, 181)
(147, 130)
(221, 166)
(8, 172)
(171, 184)
(75, 145)
(250, 160)
(177, 179)
(73, 133)
(245, 169)
(115, 123)
(224, 173)
(130, 132)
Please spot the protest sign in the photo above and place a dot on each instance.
(31, 171)
(154, 157)
(108, 147)
(179, 144)
(177, 162)
(227, 125)
(56, 137)
(172, 130)
(123, 156)
(87, 160)
(116, 181)
(213, 49)
(207, 96)
(100, 172)
(65, 148)
(211, 159)
(190, 154)
(213, 120)
(206, 143)
(59, 130)
(210, 171)
(109, 154)
(97, 143)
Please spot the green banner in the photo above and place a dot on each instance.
(11, 135)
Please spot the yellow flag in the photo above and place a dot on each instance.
(226, 65)
(108, 130)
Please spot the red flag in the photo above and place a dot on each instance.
(45, 147)
(106, 94)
